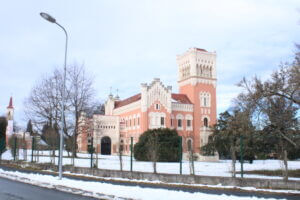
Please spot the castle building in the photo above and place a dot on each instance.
(191, 111)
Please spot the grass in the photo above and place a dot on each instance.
(291, 172)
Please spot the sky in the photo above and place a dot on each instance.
(125, 43)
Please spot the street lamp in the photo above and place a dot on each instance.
(53, 20)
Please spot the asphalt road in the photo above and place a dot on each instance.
(213, 191)
(12, 190)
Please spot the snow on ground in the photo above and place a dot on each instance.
(134, 192)
(220, 168)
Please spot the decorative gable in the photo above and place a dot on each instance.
(156, 91)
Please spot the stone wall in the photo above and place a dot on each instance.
(176, 178)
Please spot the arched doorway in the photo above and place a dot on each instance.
(105, 146)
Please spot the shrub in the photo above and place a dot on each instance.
(166, 142)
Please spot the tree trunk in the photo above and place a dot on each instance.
(75, 132)
(191, 160)
(285, 161)
(233, 158)
(154, 167)
(120, 157)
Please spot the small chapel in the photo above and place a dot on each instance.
(191, 110)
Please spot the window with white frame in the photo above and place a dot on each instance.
(205, 99)
(179, 118)
(189, 122)
(157, 119)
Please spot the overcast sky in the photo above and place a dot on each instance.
(125, 43)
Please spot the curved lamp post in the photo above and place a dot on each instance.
(53, 20)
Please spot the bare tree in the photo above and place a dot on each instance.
(44, 102)
(191, 155)
(274, 103)
(152, 152)
(51, 136)
(233, 157)
(80, 95)
(43, 106)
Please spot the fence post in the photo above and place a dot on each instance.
(180, 154)
(91, 151)
(32, 148)
(131, 148)
(15, 148)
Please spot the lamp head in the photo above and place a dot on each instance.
(48, 17)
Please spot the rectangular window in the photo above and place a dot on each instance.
(188, 123)
(130, 122)
(162, 121)
(134, 122)
(179, 123)
(138, 122)
(157, 107)
(171, 122)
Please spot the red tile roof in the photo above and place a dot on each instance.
(128, 101)
(181, 98)
(198, 49)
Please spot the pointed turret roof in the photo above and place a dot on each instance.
(10, 103)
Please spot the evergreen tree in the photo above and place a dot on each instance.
(227, 134)
(158, 145)
(3, 125)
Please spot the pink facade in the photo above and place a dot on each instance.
(190, 112)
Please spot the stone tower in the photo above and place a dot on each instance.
(10, 118)
(197, 79)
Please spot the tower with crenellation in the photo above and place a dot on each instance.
(197, 79)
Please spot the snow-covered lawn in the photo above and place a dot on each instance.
(221, 168)
(96, 188)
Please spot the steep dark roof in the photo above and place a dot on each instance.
(10, 103)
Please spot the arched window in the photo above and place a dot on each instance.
(205, 122)
(179, 123)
